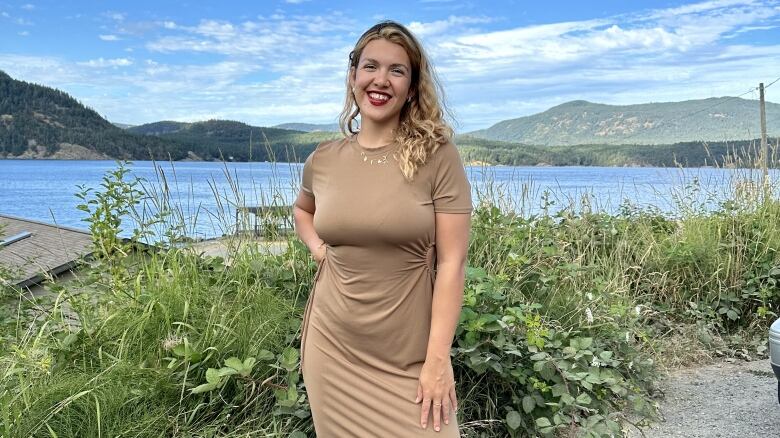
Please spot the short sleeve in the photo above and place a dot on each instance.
(451, 188)
(306, 178)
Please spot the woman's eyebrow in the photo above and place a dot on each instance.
(374, 61)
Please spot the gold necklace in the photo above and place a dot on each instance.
(381, 159)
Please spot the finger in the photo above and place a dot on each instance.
(453, 399)
(445, 409)
(419, 394)
(424, 411)
(437, 415)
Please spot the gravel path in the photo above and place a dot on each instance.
(722, 400)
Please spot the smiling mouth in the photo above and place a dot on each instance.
(378, 99)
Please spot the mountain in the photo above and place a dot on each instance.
(740, 153)
(231, 140)
(580, 122)
(310, 127)
(122, 125)
(42, 122)
(159, 128)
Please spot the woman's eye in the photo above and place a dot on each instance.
(368, 66)
(398, 71)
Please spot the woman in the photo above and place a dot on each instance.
(385, 212)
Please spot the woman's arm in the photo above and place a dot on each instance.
(303, 214)
(437, 385)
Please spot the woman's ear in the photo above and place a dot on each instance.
(351, 78)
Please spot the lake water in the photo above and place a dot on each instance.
(206, 193)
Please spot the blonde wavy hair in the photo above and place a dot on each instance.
(422, 128)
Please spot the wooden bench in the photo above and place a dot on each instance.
(265, 220)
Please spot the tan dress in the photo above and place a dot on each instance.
(366, 324)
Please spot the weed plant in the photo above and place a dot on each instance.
(568, 316)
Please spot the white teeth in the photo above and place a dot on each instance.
(377, 96)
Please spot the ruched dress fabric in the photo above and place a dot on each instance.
(366, 324)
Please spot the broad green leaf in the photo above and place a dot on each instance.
(195, 357)
(206, 387)
(584, 399)
(528, 404)
(249, 363)
(180, 350)
(227, 371)
(212, 376)
(290, 358)
(69, 340)
(559, 389)
(514, 420)
(539, 356)
(543, 422)
(548, 371)
(586, 343)
(235, 363)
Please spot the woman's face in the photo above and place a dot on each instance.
(381, 81)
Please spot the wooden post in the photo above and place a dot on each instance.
(764, 147)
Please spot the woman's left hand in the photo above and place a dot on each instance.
(436, 388)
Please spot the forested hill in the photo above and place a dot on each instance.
(42, 122)
(310, 127)
(237, 141)
(580, 123)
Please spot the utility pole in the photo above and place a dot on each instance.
(764, 147)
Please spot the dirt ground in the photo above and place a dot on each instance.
(737, 399)
(219, 247)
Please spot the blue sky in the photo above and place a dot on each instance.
(270, 62)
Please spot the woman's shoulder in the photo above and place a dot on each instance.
(326, 146)
(440, 160)
(446, 153)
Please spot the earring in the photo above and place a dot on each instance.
(408, 99)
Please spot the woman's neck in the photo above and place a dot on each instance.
(372, 135)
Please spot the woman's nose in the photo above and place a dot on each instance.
(381, 78)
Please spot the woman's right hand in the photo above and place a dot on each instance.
(318, 253)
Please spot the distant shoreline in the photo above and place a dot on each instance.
(471, 163)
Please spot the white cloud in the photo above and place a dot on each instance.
(108, 37)
(28, 7)
(697, 8)
(422, 29)
(101, 62)
(50, 71)
(116, 16)
(275, 37)
(24, 33)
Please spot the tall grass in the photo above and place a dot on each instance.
(568, 314)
